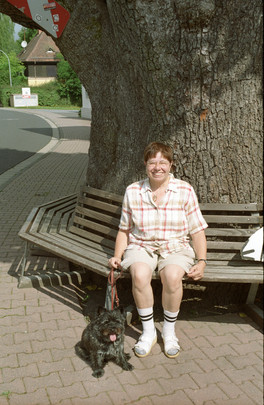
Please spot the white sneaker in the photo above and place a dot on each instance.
(171, 346)
(144, 345)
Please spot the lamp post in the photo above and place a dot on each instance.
(10, 78)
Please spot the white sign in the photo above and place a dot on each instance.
(26, 91)
(18, 100)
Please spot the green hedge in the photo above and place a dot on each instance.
(48, 95)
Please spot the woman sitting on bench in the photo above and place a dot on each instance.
(158, 214)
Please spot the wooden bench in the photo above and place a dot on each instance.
(82, 229)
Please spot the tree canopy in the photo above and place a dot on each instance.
(7, 41)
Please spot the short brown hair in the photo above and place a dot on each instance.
(155, 147)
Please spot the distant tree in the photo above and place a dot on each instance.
(17, 70)
(69, 84)
(7, 28)
(26, 34)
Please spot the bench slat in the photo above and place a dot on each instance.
(229, 232)
(95, 216)
(100, 205)
(251, 207)
(103, 194)
(78, 240)
(97, 228)
(233, 219)
(230, 245)
(91, 236)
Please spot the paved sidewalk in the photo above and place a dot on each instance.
(221, 358)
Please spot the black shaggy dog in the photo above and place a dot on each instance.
(103, 341)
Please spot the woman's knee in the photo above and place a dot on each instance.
(171, 277)
(141, 275)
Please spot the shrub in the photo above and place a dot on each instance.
(48, 95)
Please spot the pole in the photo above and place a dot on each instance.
(10, 78)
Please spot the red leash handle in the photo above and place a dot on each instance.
(112, 281)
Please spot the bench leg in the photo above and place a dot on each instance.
(24, 261)
(252, 293)
(252, 310)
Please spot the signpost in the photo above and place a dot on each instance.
(48, 14)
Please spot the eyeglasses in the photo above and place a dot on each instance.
(162, 163)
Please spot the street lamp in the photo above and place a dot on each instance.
(8, 66)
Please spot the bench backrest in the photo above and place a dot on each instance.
(97, 213)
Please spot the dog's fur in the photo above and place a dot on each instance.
(103, 340)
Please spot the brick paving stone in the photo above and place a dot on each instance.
(178, 383)
(185, 367)
(239, 376)
(119, 397)
(205, 365)
(57, 394)
(38, 397)
(201, 329)
(242, 400)
(222, 351)
(9, 360)
(60, 353)
(195, 353)
(213, 377)
(46, 368)
(223, 363)
(51, 380)
(38, 346)
(209, 393)
(68, 377)
(27, 358)
(259, 367)
(8, 339)
(94, 386)
(102, 398)
(239, 362)
(129, 377)
(254, 346)
(178, 398)
(227, 339)
(15, 386)
(135, 392)
(3, 399)
(253, 334)
(142, 401)
(38, 335)
(158, 371)
(258, 382)
(77, 363)
(231, 390)
(11, 373)
(66, 402)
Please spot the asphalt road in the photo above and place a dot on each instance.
(21, 136)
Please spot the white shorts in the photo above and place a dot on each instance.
(184, 258)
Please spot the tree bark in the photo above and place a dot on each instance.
(184, 72)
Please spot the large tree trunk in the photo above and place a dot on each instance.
(184, 72)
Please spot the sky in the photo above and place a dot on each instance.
(17, 29)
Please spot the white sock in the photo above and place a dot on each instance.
(169, 323)
(146, 316)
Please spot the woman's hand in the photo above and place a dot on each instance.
(114, 262)
(197, 271)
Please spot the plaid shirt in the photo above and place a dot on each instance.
(165, 228)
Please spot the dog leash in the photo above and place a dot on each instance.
(112, 281)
